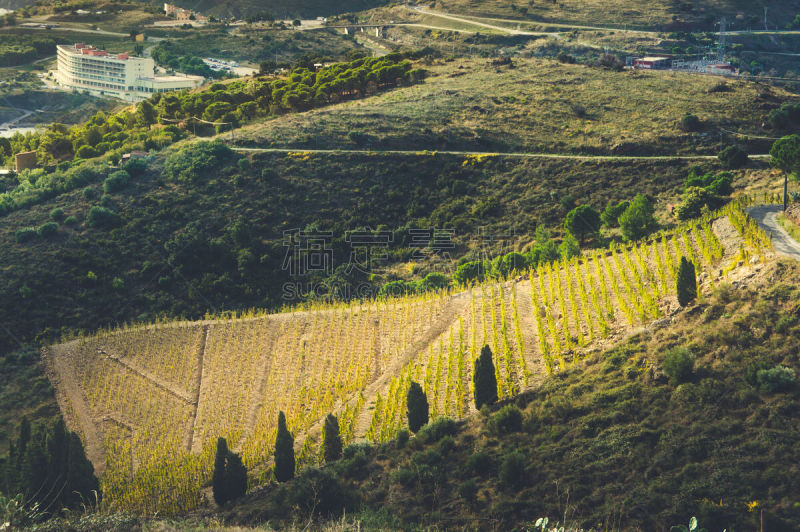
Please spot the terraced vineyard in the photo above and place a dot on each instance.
(150, 401)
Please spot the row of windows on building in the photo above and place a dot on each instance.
(81, 75)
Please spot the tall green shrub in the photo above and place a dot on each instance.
(236, 476)
(484, 380)
(229, 481)
(638, 220)
(582, 221)
(417, 404)
(218, 487)
(679, 365)
(686, 283)
(284, 451)
(331, 440)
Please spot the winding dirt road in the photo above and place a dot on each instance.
(767, 218)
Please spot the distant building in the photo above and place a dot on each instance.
(725, 69)
(133, 155)
(25, 160)
(652, 63)
(85, 68)
(184, 14)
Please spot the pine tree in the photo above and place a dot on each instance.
(284, 451)
(417, 404)
(484, 380)
(686, 283)
(331, 440)
(235, 476)
(218, 484)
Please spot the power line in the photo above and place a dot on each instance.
(747, 135)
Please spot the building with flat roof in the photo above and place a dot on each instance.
(85, 68)
(652, 63)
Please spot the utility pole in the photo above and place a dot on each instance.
(722, 38)
(785, 190)
(765, 18)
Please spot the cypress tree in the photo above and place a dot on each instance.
(235, 477)
(417, 404)
(82, 483)
(331, 440)
(16, 454)
(10, 472)
(485, 383)
(34, 467)
(52, 470)
(218, 484)
(686, 283)
(284, 451)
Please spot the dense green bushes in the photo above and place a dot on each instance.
(47, 229)
(733, 157)
(779, 378)
(512, 473)
(37, 185)
(241, 101)
(506, 420)
(25, 234)
(679, 364)
(100, 216)
(116, 182)
(19, 49)
(703, 190)
(430, 283)
(583, 221)
(690, 123)
(638, 220)
(167, 55)
(543, 250)
(786, 116)
(610, 215)
(194, 161)
(437, 429)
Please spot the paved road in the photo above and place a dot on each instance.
(473, 22)
(520, 155)
(470, 19)
(767, 218)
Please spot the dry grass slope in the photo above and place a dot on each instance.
(538, 106)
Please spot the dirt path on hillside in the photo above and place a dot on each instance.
(534, 358)
(72, 400)
(158, 382)
(198, 380)
(454, 307)
(262, 378)
(196, 445)
(519, 155)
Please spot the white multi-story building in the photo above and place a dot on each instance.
(85, 68)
